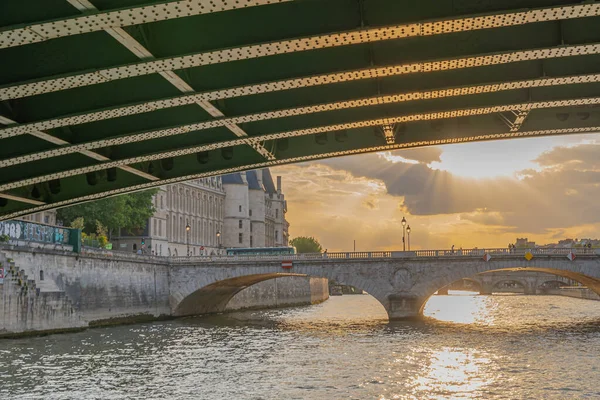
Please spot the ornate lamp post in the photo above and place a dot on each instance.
(187, 232)
(403, 234)
(408, 234)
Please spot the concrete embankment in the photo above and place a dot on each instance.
(49, 291)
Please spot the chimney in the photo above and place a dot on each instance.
(279, 184)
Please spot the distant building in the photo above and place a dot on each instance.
(243, 209)
(44, 217)
(524, 243)
(255, 210)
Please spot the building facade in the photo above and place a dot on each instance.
(254, 210)
(206, 216)
(47, 217)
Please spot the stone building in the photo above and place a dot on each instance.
(47, 217)
(237, 210)
(254, 210)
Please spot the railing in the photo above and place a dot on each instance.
(466, 253)
(460, 253)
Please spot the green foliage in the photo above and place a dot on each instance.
(77, 223)
(4, 239)
(128, 211)
(305, 244)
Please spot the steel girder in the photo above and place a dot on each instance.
(97, 100)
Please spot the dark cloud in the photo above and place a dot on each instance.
(563, 194)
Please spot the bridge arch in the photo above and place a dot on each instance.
(576, 271)
(209, 293)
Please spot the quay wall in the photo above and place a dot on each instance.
(577, 292)
(56, 290)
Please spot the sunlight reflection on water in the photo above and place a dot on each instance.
(470, 346)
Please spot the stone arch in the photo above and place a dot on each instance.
(506, 282)
(576, 271)
(552, 283)
(208, 296)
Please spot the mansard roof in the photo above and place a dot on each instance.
(235, 178)
(268, 181)
(253, 182)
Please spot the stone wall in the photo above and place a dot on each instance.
(23, 307)
(281, 292)
(99, 290)
(579, 293)
(48, 290)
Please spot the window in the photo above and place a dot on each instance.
(240, 208)
(277, 213)
(46, 219)
(276, 235)
(41, 275)
(250, 241)
(161, 202)
(250, 226)
(250, 212)
(240, 224)
(240, 237)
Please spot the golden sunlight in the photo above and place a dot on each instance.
(461, 307)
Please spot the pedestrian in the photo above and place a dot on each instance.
(452, 249)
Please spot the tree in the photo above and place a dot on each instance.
(129, 211)
(305, 244)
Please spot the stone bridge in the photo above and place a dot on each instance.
(401, 281)
(527, 282)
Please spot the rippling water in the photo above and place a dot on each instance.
(486, 347)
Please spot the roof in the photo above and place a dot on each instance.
(235, 178)
(253, 183)
(268, 181)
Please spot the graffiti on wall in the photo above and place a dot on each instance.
(21, 230)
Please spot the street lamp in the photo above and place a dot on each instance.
(408, 233)
(219, 238)
(187, 231)
(403, 234)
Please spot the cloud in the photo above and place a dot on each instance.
(585, 156)
(561, 194)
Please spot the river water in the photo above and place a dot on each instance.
(484, 347)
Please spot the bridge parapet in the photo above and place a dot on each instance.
(420, 254)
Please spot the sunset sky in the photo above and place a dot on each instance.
(477, 194)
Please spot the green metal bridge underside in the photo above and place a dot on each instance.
(97, 100)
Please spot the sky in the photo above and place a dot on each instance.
(483, 194)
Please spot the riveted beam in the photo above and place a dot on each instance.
(266, 164)
(298, 45)
(32, 33)
(365, 102)
(308, 131)
(140, 51)
(58, 141)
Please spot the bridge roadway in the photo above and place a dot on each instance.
(401, 281)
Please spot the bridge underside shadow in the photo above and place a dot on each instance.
(213, 298)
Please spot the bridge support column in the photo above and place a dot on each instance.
(486, 288)
(530, 289)
(404, 307)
